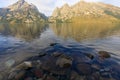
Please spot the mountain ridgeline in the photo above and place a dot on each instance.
(21, 11)
(86, 11)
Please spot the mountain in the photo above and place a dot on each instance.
(23, 12)
(85, 11)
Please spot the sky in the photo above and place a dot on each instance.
(47, 6)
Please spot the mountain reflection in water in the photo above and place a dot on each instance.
(27, 32)
(85, 31)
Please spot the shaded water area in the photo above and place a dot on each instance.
(20, 42)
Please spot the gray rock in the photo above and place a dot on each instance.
(56, 54)
(10, 63)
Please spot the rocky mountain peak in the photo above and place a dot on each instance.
(21, 11)
(20, 4)
(82, 10)
(66, 5)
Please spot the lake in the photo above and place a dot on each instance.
(21, 41)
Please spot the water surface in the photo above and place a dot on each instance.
(21, 41)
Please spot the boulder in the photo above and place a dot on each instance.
(104, 54)
(20, 70)
(64, 62)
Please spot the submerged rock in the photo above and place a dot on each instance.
(84, 69)
(76, 76)
(89, 56)
(56, 54)
(27, 64)
(42, 54)
(53, 44)
(16, 75)
(59, 66)
(20, 70)
(64, 62)
(96, 66)
(95, 76)
(10, 63)
(104, 54)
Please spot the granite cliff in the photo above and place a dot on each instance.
(83, 11)
(23, 12)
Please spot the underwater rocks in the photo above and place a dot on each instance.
(64, 63)
(10, 63)
(104, 54)
(56, 54)
(84, 68)
(61, 66)
(20, 70)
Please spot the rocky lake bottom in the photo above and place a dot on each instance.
(59, 52)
